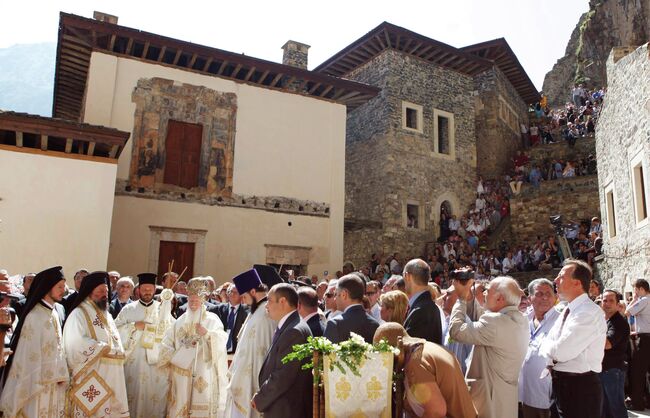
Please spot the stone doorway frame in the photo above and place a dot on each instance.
(287, 254)
(454, 202)
(165, 233)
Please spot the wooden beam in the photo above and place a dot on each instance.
(222, 67)
(68, 145)
(192, 60)
(451, 59)
(397, 42)
(129, 46)
(70, 45)
(19, 139)
(261, 79)
(179, 52)
(314, 88)
(368, 49)
(407, 44)
(381, 43)
(162, 53)
(387, 38)
(327, 90)
(339, 92)
(65, 56)
(235, 71)
(207, 64)
(73, 39)
(114, 150)
(349, 96)
(434, 53)
(145, 50)
(111, 44)
(302, 85)
(91, 148)
(44, 142)
(423, 51)
(249, 74)
(276, 79)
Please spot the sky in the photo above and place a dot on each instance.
(537, 30)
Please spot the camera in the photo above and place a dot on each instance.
(463, 274)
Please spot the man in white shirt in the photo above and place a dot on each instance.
(454, 223)
(640, 308)
(373, 292)
(535, 393)
(575, 345)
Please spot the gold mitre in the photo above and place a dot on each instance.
(198, 286)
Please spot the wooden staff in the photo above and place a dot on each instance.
(179, 277)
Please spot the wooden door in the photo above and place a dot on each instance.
(183, 255)
(183, 154)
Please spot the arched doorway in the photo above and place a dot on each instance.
(445, 214)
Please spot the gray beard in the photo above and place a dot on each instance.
(102, 304)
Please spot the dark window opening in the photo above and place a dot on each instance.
(412, 215)
(411, 118)
(443, 135)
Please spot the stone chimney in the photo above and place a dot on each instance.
(295, 54)
(105, 17)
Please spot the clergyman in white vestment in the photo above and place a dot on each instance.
(195, 350)
(95, 354)
(254, 341)
(36, 377)
(142, 326)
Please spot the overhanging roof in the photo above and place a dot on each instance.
(22, 130)
(389, 36)
(470, 60)
(80, 36)
(499, 52)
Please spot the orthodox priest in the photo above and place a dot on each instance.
(194, 347)
(36, 377)
(254, 341)
(142, 326)
(94, 352)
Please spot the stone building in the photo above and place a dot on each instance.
(444, 115)
(233, 160)
(623, 146)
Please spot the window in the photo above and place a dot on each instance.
(611, 214)
(639, 190)
(412, 117)
(182, 154)
(412, 216)
(443, 133)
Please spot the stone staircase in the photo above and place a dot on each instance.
(525, 277)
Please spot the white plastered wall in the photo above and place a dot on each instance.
(54, 211)
(285, 145)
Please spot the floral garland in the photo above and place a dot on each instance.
(350, 353)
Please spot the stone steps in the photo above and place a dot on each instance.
(525, 277)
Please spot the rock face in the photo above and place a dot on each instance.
(607, 24)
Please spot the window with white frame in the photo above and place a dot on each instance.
(412, 118)
(639, 190)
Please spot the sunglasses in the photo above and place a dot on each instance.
(329, 295)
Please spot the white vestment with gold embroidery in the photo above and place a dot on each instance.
(147, 384)
(204, 393)
(38, 378)
(96, 358)
(254, 341)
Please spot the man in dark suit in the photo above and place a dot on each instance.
(124, 291)
(285, 389)
(423, 318)
(308, 310)
(69, 299)
(232, 314)
(350, 290)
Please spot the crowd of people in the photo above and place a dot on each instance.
(476, 346)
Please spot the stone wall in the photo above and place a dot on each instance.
(574, 198)
(499, 111)
(607, 24)
(561, 150)
(388, 166)
(623, 141)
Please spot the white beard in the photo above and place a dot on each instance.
(194, 316)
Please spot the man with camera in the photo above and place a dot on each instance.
(500, 338)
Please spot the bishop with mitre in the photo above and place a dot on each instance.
(195, 350)
(36, 375)
(94, 352)
(142, 326)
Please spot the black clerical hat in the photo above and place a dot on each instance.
(247, 281)
(147, 278)
(88, 284)
(268, 275)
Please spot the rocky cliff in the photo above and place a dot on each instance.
(607, 24)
